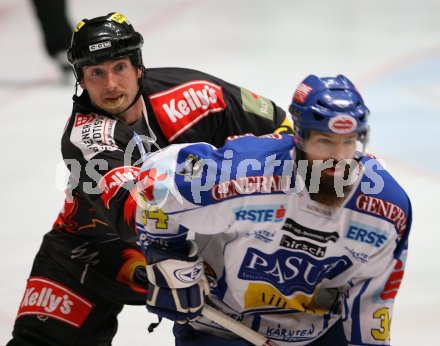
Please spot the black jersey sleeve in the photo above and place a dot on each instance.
(103, 161)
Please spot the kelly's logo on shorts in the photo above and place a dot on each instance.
(48, 298)
(179, 108)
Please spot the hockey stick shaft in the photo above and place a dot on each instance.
(236, 327)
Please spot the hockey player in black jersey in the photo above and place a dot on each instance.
(89, 264)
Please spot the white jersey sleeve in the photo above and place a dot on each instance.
(166, 180)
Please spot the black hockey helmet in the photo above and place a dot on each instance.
(104, 38)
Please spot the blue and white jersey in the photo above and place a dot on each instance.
(285, 265)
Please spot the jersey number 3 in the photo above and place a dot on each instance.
(383, 332)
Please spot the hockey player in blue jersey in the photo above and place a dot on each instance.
(303, 238)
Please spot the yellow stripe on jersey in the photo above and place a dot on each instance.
(263, 295)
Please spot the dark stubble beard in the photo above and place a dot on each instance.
(327, 193)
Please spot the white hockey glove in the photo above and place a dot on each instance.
(177, 284)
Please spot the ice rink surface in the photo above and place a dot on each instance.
(390, 49)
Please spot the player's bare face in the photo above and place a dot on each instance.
(112, 85)
(340, 148)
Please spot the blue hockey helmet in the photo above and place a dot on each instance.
(329, 105)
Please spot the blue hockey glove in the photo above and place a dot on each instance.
(177, 284)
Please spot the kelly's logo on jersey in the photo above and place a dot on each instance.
(114, 179)
(260, 213)
(179, 108)
(290, 272)
(48, 298)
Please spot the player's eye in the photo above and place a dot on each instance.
(324, 140)
(96, 72)
(121, 66)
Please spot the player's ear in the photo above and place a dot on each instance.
(82, 84)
